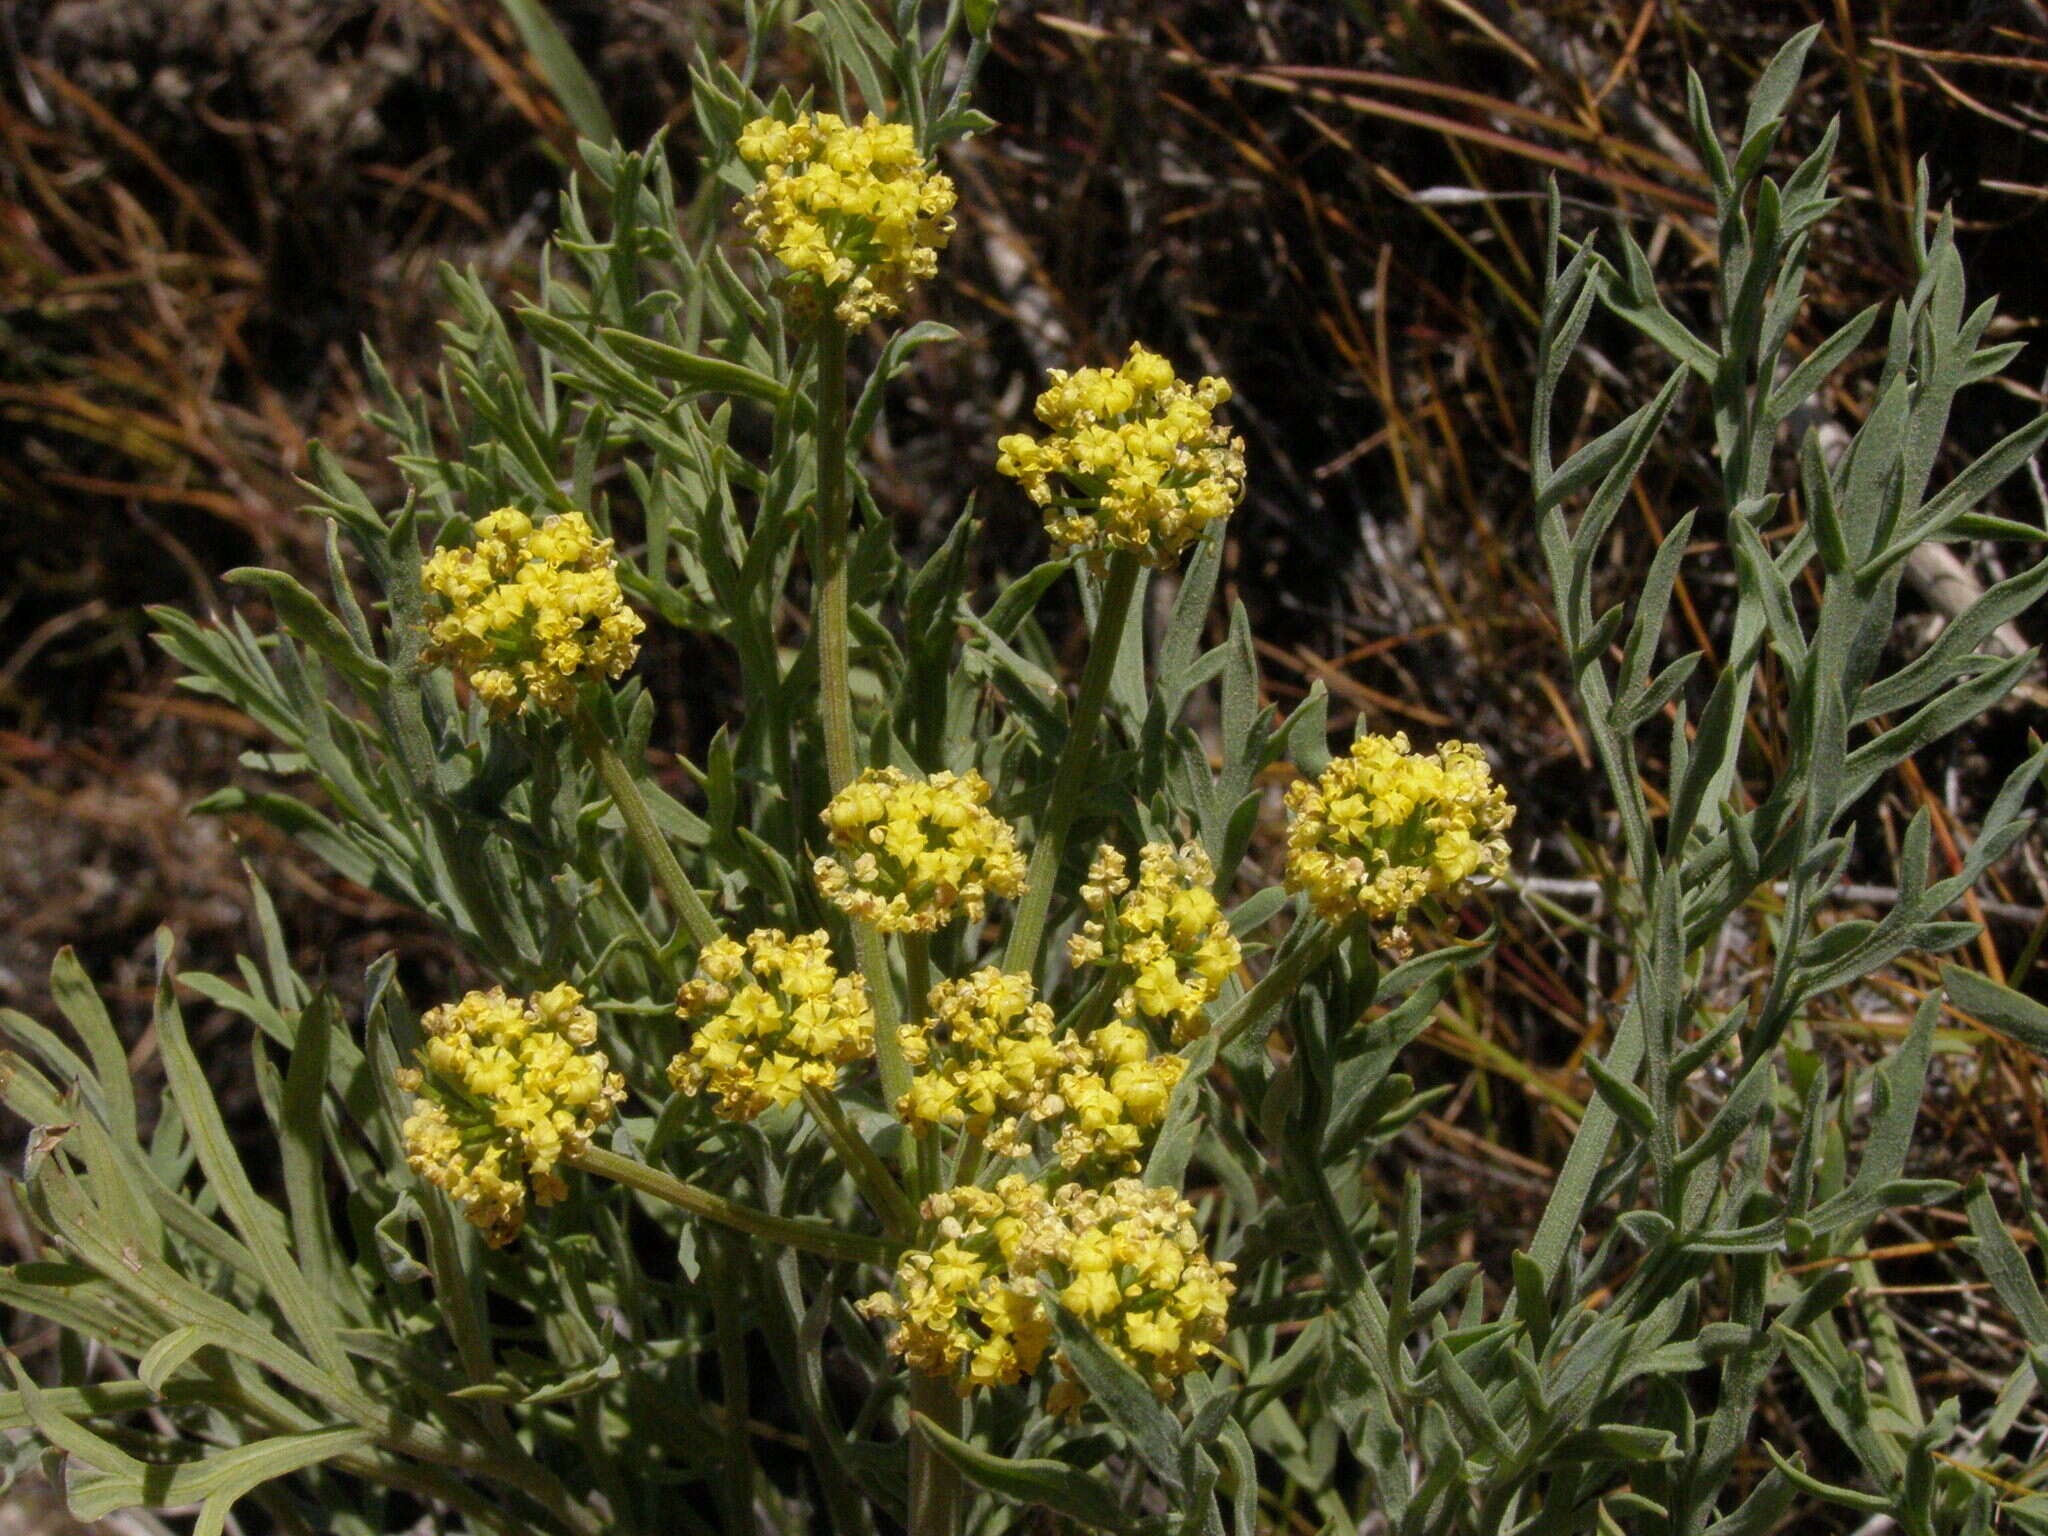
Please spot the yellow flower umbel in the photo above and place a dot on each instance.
(1384, 827)
(855, 213)
(529, 613)
(961, 1308)
(1127, 1261)
(1169, 937)
(916, 853)
(774, 1017)
(985, 1051)
(506, 1088)
(1113, 1099)
(1135, 460)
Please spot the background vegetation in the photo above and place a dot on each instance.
(203, 205)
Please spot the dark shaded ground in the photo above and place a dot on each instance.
(204, 204)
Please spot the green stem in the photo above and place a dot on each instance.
(934, 1483)
(897, 1210)
(872, 955)
(829, 626)
(809, 1236)
(967, 1166)
(737, 1483)
(1070, 779)
(829, 622)
(1286, 974)
(917, 984)
(640, 826)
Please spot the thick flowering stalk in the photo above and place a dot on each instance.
(506, 1089)
(854, 213)
(1126, 1260)
(915, 854)
(1135, 460)
(1168, 941)
(773, 1017)
(529, 613)
(1384, 827)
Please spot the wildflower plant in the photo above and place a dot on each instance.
(858, 1098)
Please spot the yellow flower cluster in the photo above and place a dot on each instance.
(855, 213)
(1113, 1098)
(916, 853)
(506, 1088)
(1384, 827)
(985, 1050)
(1126, 1260)
(964, 1308)
(774, 1016)
(528, 612)
(1135, 460)
(1170, 937)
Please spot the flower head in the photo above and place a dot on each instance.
(1384, 827)
(1169, 938)
(528, 613)
(1112, 1099)
(1135, 460)
(855, 213)
(960, 1308)
(984, 1059)
(916, 853)
(1128, 1262)
(506, 1087)
(1125, 1260)
(773, 1017)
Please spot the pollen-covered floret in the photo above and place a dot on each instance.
(1134, 461)
(1384, 827)
(773, 1017)
(984, 1060)
(1168, 938)
(1112, 1100)
(1125, 1260)
(916, 853)
(855, 213)
(505, 1088)
(529, 613)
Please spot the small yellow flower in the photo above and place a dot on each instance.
(855, 214)
(1135, 459)
(1384, 827)
(1169, 939)
(916, 853)
(529, 613)
(985, 1060)
(774, 1017)
(506, 1088)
